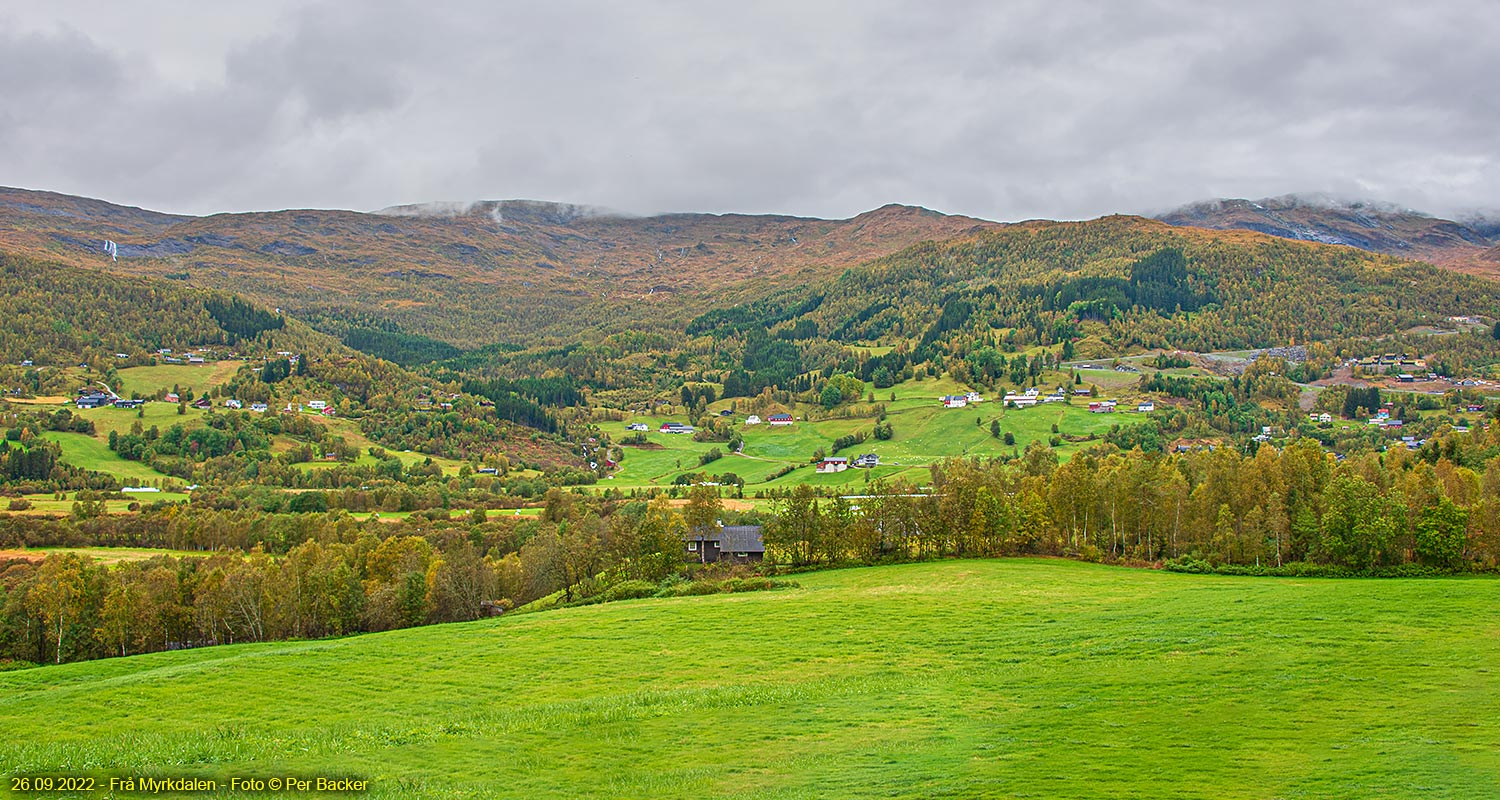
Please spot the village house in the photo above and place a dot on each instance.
(233, 403)
(954, 401)
(675, 427)
(317, 405)
(129, 403)
(867, 461)
(1145, 407)
(752, 420)
(1020, 400)
(171, 397)
(1102, 407)
(93, 400)
(637, 426)
(833, 464)
(780, 419)
(259, 408)
(733, 543)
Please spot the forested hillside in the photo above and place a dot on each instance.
(503, 288)
(65, 331)
(53, 314)
(1152, 285)
(1094, 289)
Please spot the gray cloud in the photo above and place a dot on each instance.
(1006, 111)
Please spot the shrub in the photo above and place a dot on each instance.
(629, 590)
(1302, 569)
(698, 588)
(748, 585)
(18, 504)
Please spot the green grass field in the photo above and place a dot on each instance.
(46, 504)
(1021, 678)
(198, 379)
(108, 555)
(92, 453)
(162, 415)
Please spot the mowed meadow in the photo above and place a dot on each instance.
(1003, 678)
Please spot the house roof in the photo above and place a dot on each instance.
(741, 539)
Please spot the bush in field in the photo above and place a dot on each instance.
(629, 590)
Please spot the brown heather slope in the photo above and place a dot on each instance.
(1463, 247)
(498, 271)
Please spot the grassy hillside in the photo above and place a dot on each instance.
(963, 679)
(924, 433)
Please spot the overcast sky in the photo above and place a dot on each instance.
(1002, 110)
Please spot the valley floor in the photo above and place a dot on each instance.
(1015, 678)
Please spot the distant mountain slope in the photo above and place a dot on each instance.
(1152, 285)
(55, 315)
(1376, 227)
(473, 274)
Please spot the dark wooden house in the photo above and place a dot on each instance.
(739, 544)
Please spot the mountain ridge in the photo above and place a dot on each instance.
(1367, 225)
(537, 273)
(519, 266)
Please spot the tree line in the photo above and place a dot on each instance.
(1437, 507)
(266, 576)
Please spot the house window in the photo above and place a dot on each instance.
(693, 546)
